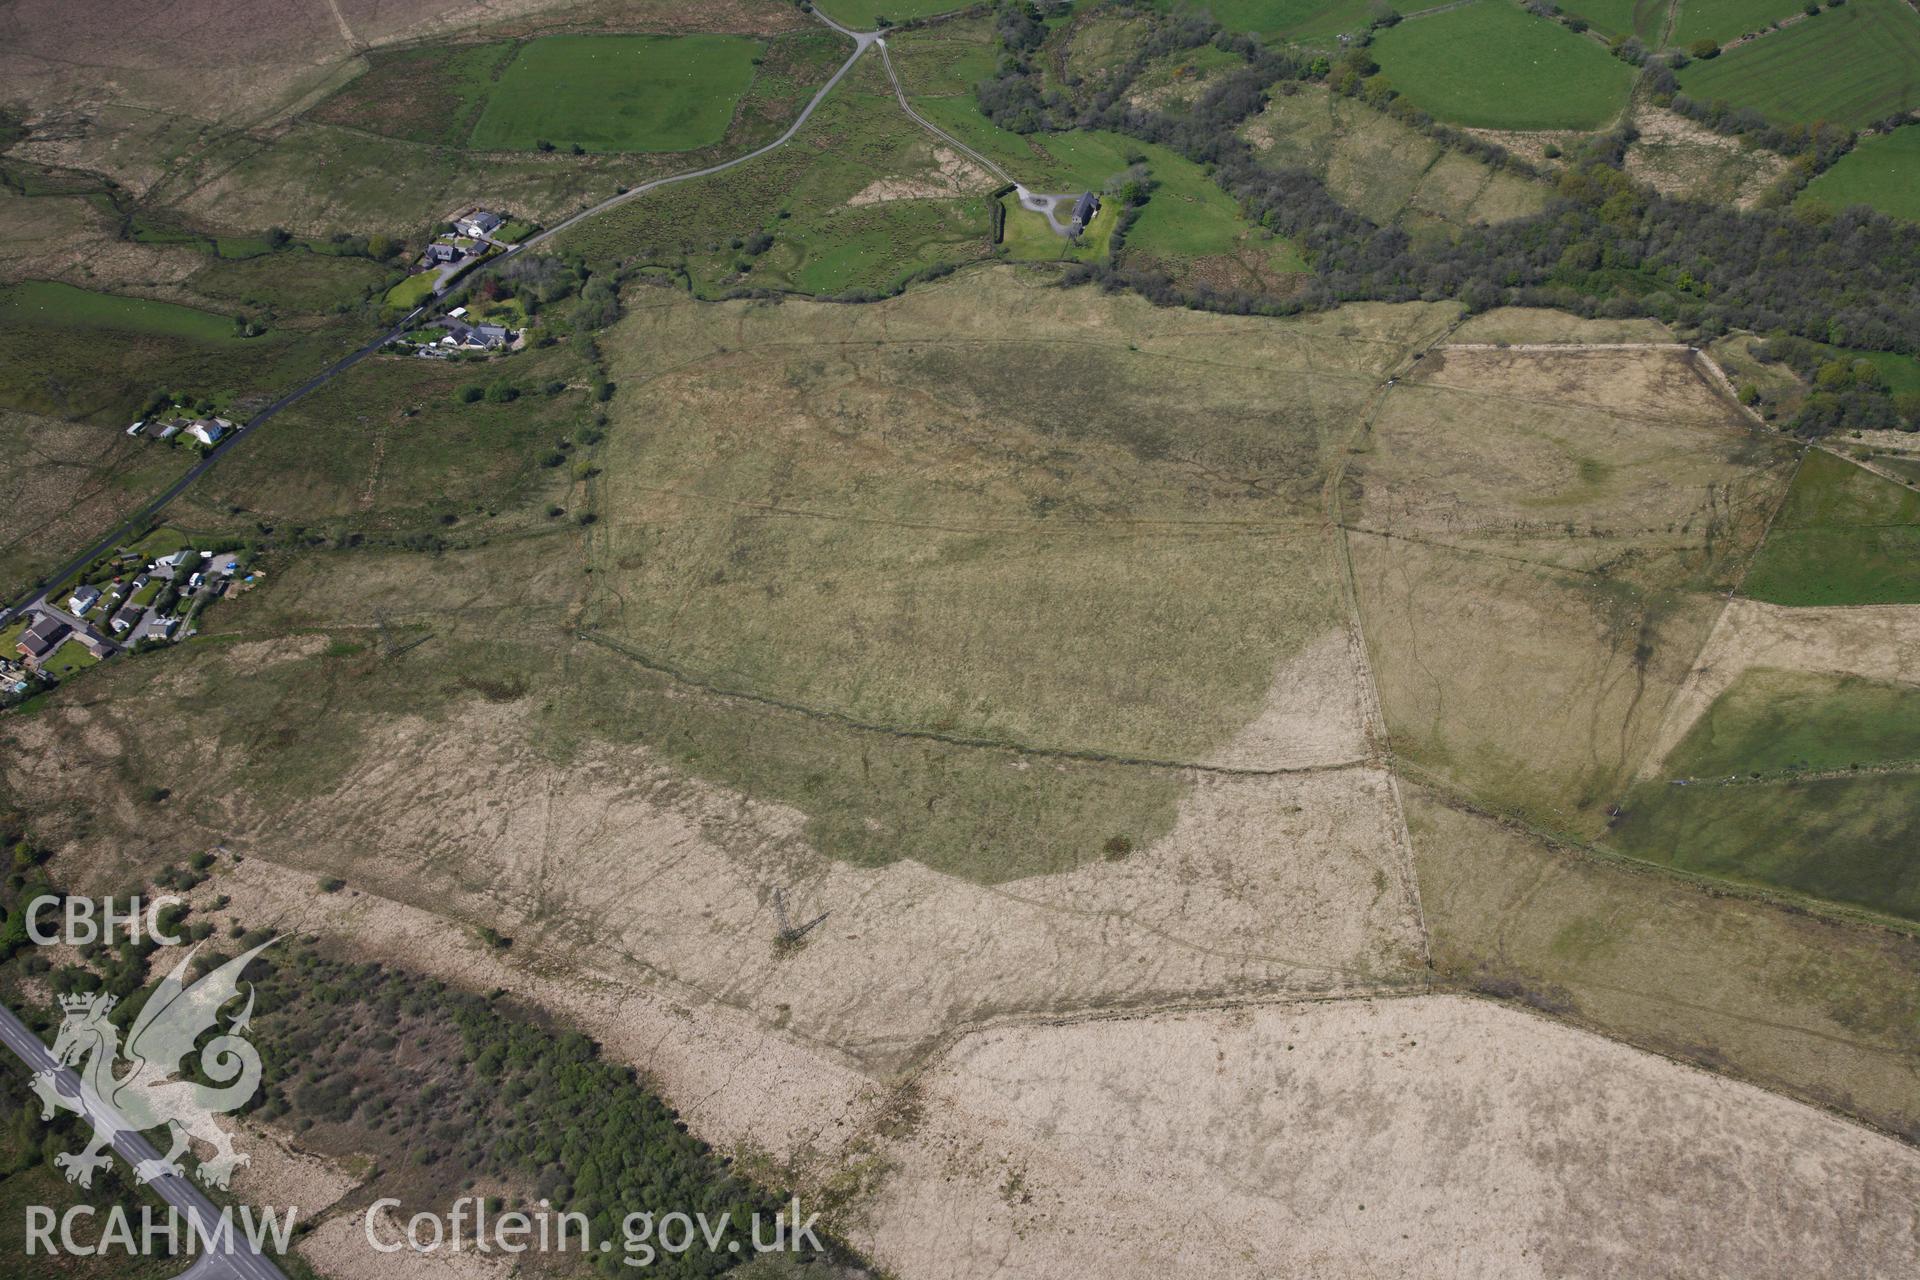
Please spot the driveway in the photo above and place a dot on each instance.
(1050, 207)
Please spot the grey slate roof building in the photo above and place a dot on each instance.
(479, 223)
(477, 335)
(1083, 210)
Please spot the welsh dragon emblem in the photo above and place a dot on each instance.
(155, 1093)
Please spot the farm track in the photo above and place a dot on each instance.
(900, 93)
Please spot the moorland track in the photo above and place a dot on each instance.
(827, 715)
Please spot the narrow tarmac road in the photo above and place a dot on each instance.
(238, 1262)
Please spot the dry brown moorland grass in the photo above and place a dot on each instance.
(1824, 1010)
(1358, 1137)
(1531, 324)
(989, 1039)
(500, 773)
(1373, 1138)
(508, 770)
(1681, 158)
(1071, 530)
(1541, 545)
(190, 104)
(62, 483)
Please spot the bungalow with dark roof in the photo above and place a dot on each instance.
(1083, 210)
(472, 337)
(441, 251)
(42, 637)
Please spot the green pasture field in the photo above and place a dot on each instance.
(1845, 536)
(1643, 19)
(1849, 66)
(1492, 65)
(1901, 373)
(1883, 172)
(412, 291)
(1772, 721)
(1193, 223)
(1294, 19)
(1852, 839)
(61, 306)
(865, 15)
(1724, 20)
(617, 93)
(450, 97)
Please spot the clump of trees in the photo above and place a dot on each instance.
(1846, 390)
(1603, 246)
(475, 1089)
